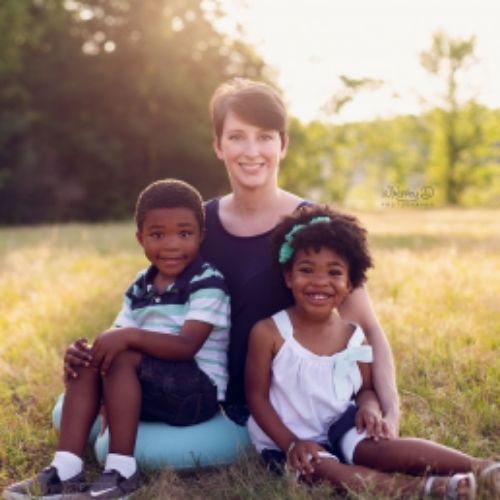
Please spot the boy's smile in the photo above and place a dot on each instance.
(319, 280)
(171, 239)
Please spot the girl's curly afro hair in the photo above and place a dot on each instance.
(344, 234)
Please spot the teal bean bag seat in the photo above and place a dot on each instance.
(218, 441)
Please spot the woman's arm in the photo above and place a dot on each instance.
(357, 307)
(369, 415)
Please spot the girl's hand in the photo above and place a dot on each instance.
(302, 455)
(106, 346)
(76, 355)
(372, 422)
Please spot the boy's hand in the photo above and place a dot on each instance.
(106, 346)
(76, 355)
(302, 455)
(372, 422)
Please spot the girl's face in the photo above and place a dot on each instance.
(251, 154)
(319, 281)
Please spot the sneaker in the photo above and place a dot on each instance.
(111, 484)
(47, 485)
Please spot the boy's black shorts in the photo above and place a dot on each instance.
(176, 392)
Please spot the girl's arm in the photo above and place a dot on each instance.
(263, 344)
(261, 350)
(358, 307)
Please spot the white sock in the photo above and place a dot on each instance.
(124, 464)
(67, 464)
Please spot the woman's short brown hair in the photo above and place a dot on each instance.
(254, 102)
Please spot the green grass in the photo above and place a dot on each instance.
(436, 289)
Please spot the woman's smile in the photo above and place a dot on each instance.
(251, 154)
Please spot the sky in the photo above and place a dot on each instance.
(310, 43)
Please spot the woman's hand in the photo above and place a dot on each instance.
(371, 421)
(107, 345)
(392, 422)
(302, 455)
(77, 355)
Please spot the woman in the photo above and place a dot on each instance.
(249, 123)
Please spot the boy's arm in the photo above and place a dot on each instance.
(165, 346)
(208, 307)
(357, 307)
(158, 344)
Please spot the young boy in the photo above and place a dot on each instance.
(164, 359)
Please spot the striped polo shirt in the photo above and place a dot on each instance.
(199, 293)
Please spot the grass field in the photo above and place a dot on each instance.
(436, 289)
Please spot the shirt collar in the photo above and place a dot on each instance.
(146, 282)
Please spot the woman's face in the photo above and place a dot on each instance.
(251, 154)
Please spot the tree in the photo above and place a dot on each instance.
(454, 135)
(104, 97)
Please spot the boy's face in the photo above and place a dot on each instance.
(171, 239)
(319, 281)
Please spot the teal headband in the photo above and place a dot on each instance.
(286, 250)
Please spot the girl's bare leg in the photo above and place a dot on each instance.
(81, 405)
(122, 400)
(361, 480)
(412, 456)
(364, 480)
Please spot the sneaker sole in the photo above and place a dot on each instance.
(9, 495)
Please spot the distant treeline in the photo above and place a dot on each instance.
(407, 161)
(447, 155)
(100, 97)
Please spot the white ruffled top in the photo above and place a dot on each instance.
(310, 392)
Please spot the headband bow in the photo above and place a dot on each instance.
(286, 250)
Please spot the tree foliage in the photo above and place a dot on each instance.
(457, 126)
(451, 150)
(99, 97)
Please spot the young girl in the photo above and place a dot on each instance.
(305, 364)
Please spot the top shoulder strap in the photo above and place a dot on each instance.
(283, 324)
(357, 337)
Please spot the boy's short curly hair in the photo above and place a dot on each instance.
(344, 234)
(169, 193)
